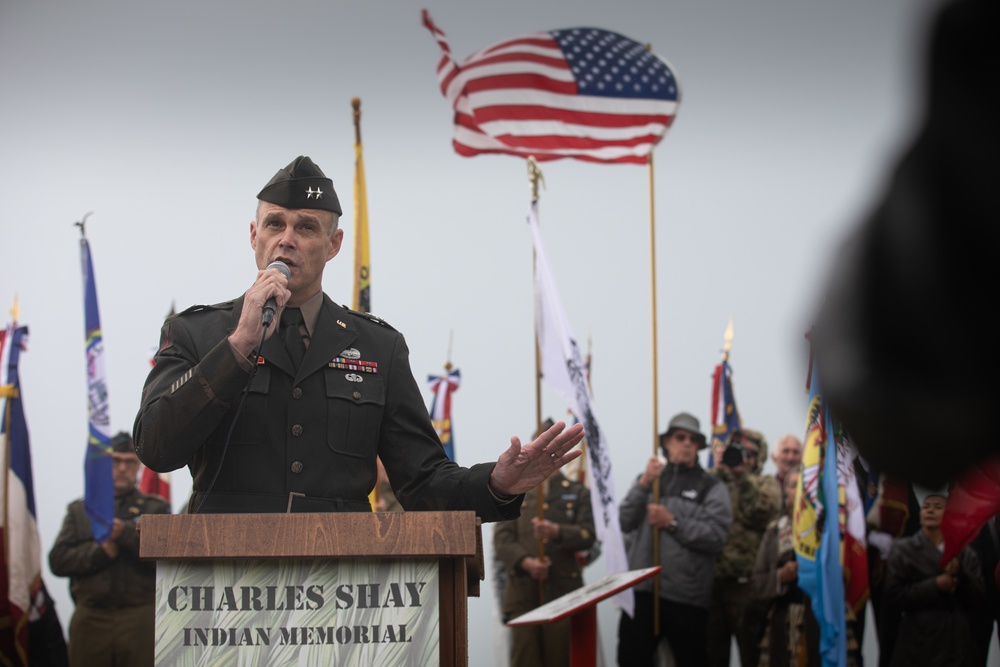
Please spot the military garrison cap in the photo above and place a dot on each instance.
(122, 442)
(302, 184)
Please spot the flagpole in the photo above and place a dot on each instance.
(656, 398)
(534, 176)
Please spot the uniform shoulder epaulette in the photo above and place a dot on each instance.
(201, 307)
(370, 317)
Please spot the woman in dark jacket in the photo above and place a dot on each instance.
(936, 603)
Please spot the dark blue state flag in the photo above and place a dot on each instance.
(99, 488)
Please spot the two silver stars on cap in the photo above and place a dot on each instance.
(317, 192)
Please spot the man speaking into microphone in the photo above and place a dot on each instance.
(290, 415)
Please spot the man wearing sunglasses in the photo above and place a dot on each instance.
(691, 516)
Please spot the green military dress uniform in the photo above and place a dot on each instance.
(307, 438)
(312, 432)
(113, 622)
(567, 503)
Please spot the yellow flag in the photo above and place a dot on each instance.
(362, 300)
(362, 262)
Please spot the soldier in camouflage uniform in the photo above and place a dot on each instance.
(756, 501)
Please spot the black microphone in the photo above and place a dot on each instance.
(269, 306)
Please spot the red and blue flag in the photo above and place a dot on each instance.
(729, 421)
(443, 386)
(30, 633)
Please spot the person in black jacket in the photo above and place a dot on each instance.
(936, 604)
(114, 592)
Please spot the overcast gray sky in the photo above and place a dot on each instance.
(166, 119)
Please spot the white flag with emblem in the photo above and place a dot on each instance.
(564, 372)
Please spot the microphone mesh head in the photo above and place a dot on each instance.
(282, 267)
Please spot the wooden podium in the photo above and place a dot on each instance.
(196, 554)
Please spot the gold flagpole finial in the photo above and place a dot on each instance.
(728, 338)
(15, 310)
(535, 176)
(447, 363)
(356, 106)
(82, 224)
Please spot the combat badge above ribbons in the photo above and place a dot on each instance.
(350, 360)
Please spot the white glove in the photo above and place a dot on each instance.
(882, 542)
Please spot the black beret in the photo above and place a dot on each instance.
(302, 184)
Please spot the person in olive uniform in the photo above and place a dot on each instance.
(114, 592)
(307, 437)
(566, 530)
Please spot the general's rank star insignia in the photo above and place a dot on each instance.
(317, 193)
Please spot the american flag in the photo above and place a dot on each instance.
(583, 93)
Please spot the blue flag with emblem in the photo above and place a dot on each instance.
(817, 531)
(99, 489)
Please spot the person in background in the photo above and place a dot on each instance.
(787, 456)
(567, 527)
(114, 592)
(756, 502)
(891, 512)
(790, 629)
(936, 604)
(691, 519)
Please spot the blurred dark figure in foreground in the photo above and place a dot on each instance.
(902, 339)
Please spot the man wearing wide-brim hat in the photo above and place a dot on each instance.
(692, 517)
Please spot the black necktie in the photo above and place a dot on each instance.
(291, 318)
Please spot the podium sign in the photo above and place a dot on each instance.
(366, 588)
(297, 612)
